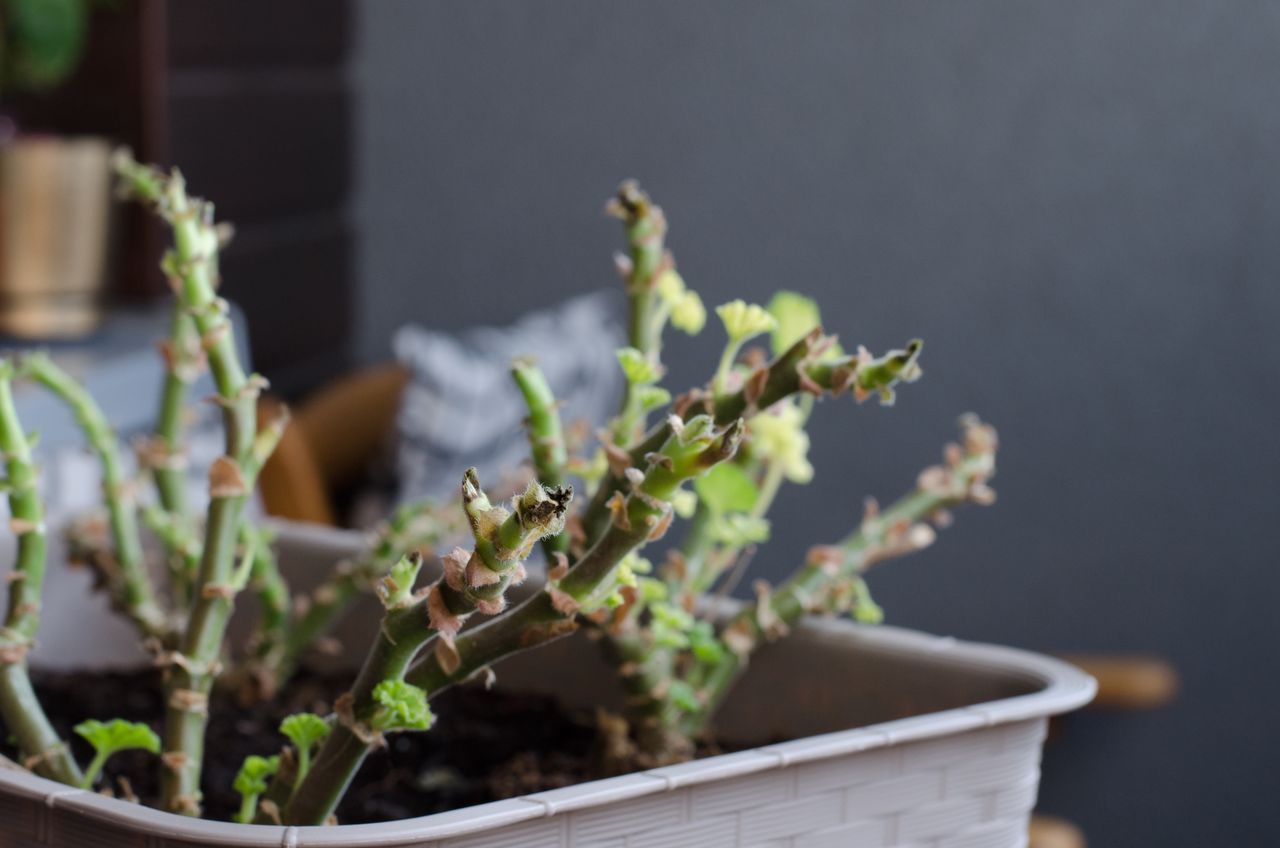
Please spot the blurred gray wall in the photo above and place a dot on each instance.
(1076, 205)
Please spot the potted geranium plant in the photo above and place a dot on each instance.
(952, 745)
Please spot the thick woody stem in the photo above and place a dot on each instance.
(191, 266)
(638, 517)
(133, 593)
(42, 750)
(642, 515)
(801, 368)
(824, 581)
(546, 438)
(473, 581)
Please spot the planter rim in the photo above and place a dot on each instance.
(1062, 688)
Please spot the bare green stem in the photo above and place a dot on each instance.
(41, 748)
(132, 592)
(827, 581)
(192, 269)
(546, 438)
(583, 589)
(646, 229)
(801, 368)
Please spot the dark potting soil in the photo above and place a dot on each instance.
(484, 746)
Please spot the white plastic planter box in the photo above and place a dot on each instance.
(960, 770)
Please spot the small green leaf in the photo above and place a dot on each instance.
(305, 730)
(639, 369)
(796, 315)
(727, 488)
(865, 609)
(396, 589)
(688, 314)
(738, 530)
(684, 503)
(744, 320)
(652, 590)
(254, 774)
(649, 398)
(402, 706)
(684, 696)
(673, 616)
(704, 644)
(116, 735)
(252, 782)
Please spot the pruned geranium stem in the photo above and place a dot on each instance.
(191, 266)
(801, 368)
(646, 230)
(42, 749)
(827, 580)
(164, 452)
(405, 628)
(184, 358)
(546, 437)
(584, 588)
(166, 457)
(637, 517)
(473, 581)
(131, 589)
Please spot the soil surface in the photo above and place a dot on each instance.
(484, 746)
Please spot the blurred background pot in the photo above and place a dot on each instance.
(55, 205)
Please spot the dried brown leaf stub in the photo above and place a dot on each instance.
(271, 810)
(455, 568)
(442, 619)
(175, 760)
(154, 453)
(562, 601)
(21, 527)
(618, 511)
(491, 606)
(547, 631)
(829, 558)
(446, 653)
(739, 638)
(226, 480)
(560, 569)
(480, 575)
(617, 459)
(189, 701)
(766, 618)
(14, 653)
(659, 524)
(224, 591)
(630, 203)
